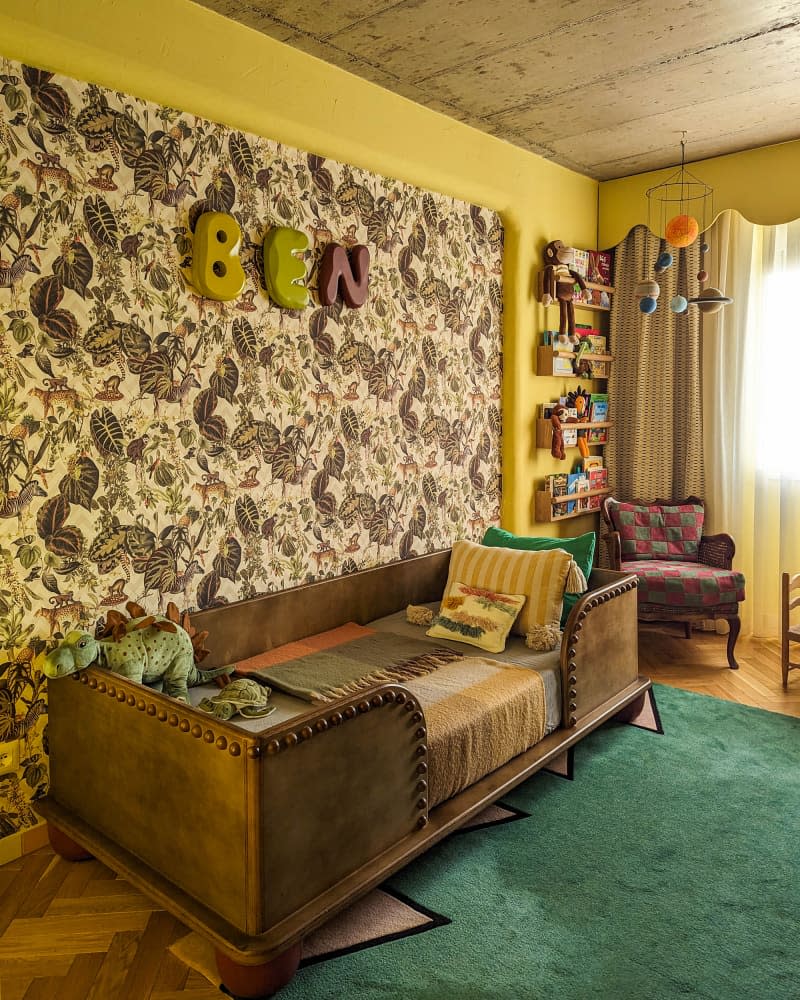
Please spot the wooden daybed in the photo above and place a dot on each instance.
(255, 838)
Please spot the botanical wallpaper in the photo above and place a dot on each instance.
(160, 446)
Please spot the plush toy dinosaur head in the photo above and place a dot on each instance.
(75, 651)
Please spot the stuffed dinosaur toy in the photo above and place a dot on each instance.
(152, 649)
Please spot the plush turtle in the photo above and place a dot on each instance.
(244, 696)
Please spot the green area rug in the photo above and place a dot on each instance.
(670, 867)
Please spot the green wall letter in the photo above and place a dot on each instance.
(284, 273)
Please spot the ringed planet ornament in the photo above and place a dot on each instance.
(681, 231)
(710, 300)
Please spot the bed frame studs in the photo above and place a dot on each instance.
(571, 652)
(422, 767)
(573, 692)
(336, 719)
(416, 717)
(572, 678)
(254, 752)
(222, 743)
(208, 736)
(162, 715)
(350, 712)
(321, 725)
(377, 701)
(400, 698)
(92, 682)
(102, 687)
(421, 751)
(422, 804)
(422, 786)
(421, 733)
(131, 700)
(83, 678)
(112, 691)
(151, 709)
(290, 739)
(390, 696)
(120, 696)
(173, 720)
(422, 822)
(234, 749)
(306, 733)
(185, 726)
(572, 721)
(364, 706)
(572, 706)
(140, 705)
(273, 747)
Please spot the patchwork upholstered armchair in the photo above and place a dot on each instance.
(684, 575)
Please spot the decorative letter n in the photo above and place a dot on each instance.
(350, 276)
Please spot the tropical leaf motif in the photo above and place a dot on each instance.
(101, 223)
(241, 156)
(208, 590)
(334, 462)
(417, 521)
(406, 547)
(161, 570)
(495, 423)
(50, 97)
(229, 558)
(349, 510)
(284, 462)
(244, 339)
(151, 173)
(140, 541)
(347, 356)
(428, 430)
(80, 484)
(59, 324)
(407, 272)
(108, 547)
(247, 517)
(478, 222)
(417, 241)
(429, 353)
(495, 295)
(75, 268)
(430, 212)
(476, 476)
(204, 405)
(67, 542)
(430, 490)
(52, 516)
(225, 380)
(45, 296)
(130, 138)
(221, 193)
(214, 429)
(107, 432)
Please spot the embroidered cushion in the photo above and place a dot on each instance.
(581, 548)
(540, 576)
(685, 584)
(476, 616)
(657, 531)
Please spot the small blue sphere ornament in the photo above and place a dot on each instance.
(664, 260)
(647, 304)
(678, 304)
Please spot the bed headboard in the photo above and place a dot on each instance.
(244, 628)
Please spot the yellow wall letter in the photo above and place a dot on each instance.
(284, 273)
(216, 269)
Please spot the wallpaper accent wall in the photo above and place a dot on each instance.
(156, 445)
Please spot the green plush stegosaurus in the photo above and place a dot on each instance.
(152, 649)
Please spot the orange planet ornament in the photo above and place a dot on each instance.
(681, 230)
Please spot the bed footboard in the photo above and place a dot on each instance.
(599, 651)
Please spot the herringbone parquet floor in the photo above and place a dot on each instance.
(76, 932)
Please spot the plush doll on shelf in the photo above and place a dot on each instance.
(558, 280)
(557, 447)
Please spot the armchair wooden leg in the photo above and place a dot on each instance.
(687, 629)
(735, 624)
(65, 846)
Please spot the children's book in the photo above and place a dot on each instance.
(598, 407)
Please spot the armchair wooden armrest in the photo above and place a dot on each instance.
(614, 546)
(717, 550)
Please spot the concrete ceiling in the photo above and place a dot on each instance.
(604, 87)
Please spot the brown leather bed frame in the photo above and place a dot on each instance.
(254, 840)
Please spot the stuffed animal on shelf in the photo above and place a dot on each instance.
(558, 280)
(557, 447)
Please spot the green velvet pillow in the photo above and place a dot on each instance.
(581, 548)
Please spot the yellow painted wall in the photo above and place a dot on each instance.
(759, 183)
(183, 55)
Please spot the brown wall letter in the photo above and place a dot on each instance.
(351, 276)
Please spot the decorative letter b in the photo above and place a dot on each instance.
(216, 269)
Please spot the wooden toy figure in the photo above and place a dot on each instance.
(558, 280)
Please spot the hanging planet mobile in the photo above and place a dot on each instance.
(710, 300)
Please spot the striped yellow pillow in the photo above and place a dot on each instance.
(540, 575)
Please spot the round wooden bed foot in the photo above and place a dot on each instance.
(65, 846)
(259, 980)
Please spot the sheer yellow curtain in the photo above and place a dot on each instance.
(751, 407)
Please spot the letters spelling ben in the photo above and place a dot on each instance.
(217, 272)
